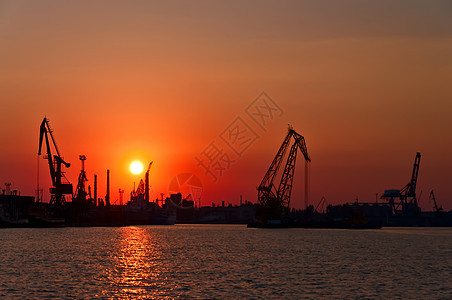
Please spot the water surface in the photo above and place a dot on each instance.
(224, 261)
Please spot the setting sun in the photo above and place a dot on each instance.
(136, 167)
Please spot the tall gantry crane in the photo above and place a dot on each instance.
(277, 199)
(59, 188)
(407, 201)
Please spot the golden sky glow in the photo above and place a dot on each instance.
(368, 84)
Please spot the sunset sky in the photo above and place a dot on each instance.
(367, 83)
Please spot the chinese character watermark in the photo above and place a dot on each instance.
(185, 187)
(214, 161)
(263, 110)
(238, 137)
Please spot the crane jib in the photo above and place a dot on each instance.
(279, 198)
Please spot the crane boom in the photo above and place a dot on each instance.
(302, 145)
(413, 182)
(409, 190)
(285, 186)
(267, 190)
(273, 169)
(146, 188)
(407, 203)
(279, 199)
(432, 197)
(43, 132)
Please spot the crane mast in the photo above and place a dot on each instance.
(59, 189)
(80, 192)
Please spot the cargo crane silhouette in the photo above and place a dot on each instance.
(275, 202)
(404, 201)
(141, 193)
(59, 189)
(80, 192)
(438, 209)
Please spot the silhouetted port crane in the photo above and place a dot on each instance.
(59, 189)
(407, 201)
(432, 197)
(276, 201)
(80, 192)
(141, 193)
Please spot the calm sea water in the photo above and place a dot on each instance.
(203, 261)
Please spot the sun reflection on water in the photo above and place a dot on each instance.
(137, 271)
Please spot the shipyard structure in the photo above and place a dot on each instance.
(83, 207)
(399, 207)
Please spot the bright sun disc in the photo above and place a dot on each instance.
(136, 167)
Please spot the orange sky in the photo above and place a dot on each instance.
(366, 83)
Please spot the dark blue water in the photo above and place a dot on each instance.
(200, 261)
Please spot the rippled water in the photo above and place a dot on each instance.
(222, 261)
